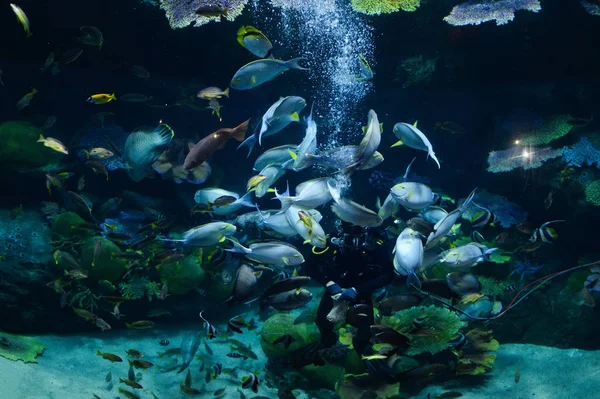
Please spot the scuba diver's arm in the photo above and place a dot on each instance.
(375, 284)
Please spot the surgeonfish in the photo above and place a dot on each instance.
(413, 196)
(258, 72)
(207, 234)
(342, 158)
(272, 173)
(307, 146)
(274, 156)
(467, 255)
(245, 284)
(101, 98)
(208, 196)
(445, 225)
(412, 137)
(388, 208)
(366, 73)
(206, 147)
(189, 347)
(283, 112)
(276, 253)
(254, 41)
(408, 255)
(352, 212)
(306, 226)
(289, 300)
(370, 142)
(313, 193)
(143, 147)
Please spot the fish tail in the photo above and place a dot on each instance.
(237, 247)
(465, 204)
(246, 200)
(413, 280)
(112, 97)
(432, 155)
(98, 353)
(239, 133)
(163, 134)
(226, 92)
(41, 139)
(294, 63)
(250, 142)
(285, 199)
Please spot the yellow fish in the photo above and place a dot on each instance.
(22, 18)
(54, 144)
(26, 99)
(254, 181)
(373, 357)
(101, 98)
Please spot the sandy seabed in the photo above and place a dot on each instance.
(70, 369)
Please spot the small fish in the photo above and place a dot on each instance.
(53, 181)
(1, 73)
(84, 314)
(450, 127)
(135, 98)
(251, 382)
(224, 200)
(213, 372)
(22, 17)
(525, 228)
(54, 144)
(448, 395)
(108, 377)
(366, 73)
(140, 72)
(235, 355)
(115, 300)
(212, 93)
(26, 99)
(128, 394)
(219, 392)
(81, 183)
(164, 291)
(98, 168)
(531, 247)
(517, 375)
(97, 251)
(457, 340)
(211, 331)
(71, 55)
(207, 348)
(285, 339)
(544, 233)
(100, 153)
(214, 10)
(109, 356)
(254, 181)
(158, 313)
(189, 390)
(165, 342)
(235, 324)
(418, 322)
(48, 63)
(134, 353)
(215, 107)
(548, 201)
(103, 325)
(50, 121)
(510, 288)
(55, 69)
(76, 274)
(131, 383)
(501, 238)
(101, 98)
(92, 36)
(140, 364)
(483, 218)
(140, 325)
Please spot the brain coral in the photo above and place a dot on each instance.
(376, 7)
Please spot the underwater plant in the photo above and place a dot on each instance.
(18, 347)
(138, 287)
(501, 11)
(441, 325)
(83, 298)
(376, 7)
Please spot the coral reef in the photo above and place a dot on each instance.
(519, 157)
(107, 267)
(321, 6)
(139, 287)
(477, 355)
(419, 69)
(544, 131)
(501, 11)
(376, 7)
(279, 324)
(492, 287)
(362, 386)
(592, 193)
(507, 213)
(24, 240)
(581, 153)
(590, 7)
(83, 298)
(20, 150)
(442, 324)
(181, 13)
(17, 347)
(183, 275)
(63, 226)
(111, 137)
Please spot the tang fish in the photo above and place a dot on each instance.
(254, 41)
(258, 72)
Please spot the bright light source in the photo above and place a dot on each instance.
(526, 154)
(517, 142)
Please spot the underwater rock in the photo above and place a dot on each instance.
(107, 267)
(20, 150)
(323, 376)
(280, 324)
(24, 240)
(183, 276)
(17, 347)
(358, 386)
(62, 227)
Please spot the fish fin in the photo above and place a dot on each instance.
(239, 133)
(295, 117)
(112, 97)
(413, 279)
(250, 142)
(226, 92)
(397, 144)
(292, 154)
(463, 207)
(432, 155)
(41, 139)
(163, 134)
(285, 199)
(294, 63)
(415, 124)
(489, 252)
(237, 247)
(99, 353)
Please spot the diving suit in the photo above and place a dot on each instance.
(356, 265)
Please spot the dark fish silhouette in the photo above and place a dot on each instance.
(213, 142)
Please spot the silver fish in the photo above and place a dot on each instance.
(258, 72)
(189, 347)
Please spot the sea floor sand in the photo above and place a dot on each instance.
(70, 369)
